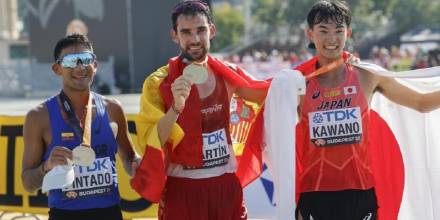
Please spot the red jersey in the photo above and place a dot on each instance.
(215, 126)
(334, 153)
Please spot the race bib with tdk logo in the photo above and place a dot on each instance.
(335, 127)
(94, 180)
(215, 149)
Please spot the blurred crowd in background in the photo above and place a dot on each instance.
(262, 63)
(263, 36)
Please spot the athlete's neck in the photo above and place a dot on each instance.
(333, 77)
(323, 60)
(189, 60)
(78, 99)
(202, 61)
(333, 73)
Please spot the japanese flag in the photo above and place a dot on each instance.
(350, 90)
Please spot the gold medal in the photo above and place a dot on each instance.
(84, 155)
(196, 73)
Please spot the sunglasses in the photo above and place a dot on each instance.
(74, 59)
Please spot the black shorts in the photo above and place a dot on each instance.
(109, 213)
(338, 205)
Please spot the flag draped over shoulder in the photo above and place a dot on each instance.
(417, 135)
(185, 143)
(387, 165)
(404, 192)
(280, 116)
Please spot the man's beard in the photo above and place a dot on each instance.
(189, 57)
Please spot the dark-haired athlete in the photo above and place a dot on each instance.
(335, 175)
(54, 128)
(188, 125)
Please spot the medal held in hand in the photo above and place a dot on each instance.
(196, 73)
(83, 155)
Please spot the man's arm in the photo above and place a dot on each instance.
(165, 125)
(253, 95)
(156, 126)
(403, 95)
(127, 153)
(180, 88)
(250, 94)
(33, 168)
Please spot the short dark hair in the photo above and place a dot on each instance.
(333, 10)
(190, 7)
(71, 40)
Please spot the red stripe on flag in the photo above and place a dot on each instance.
(240, 132)
(388, 168)
(243, 133)
(233, 133)
(149, 180)
(250, 164)
(246, 130)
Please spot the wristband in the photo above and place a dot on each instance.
(175, 110)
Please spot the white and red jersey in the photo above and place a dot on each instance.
(334, 153)
(218, 154)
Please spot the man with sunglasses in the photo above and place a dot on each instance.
(54, 128)
(189, 163)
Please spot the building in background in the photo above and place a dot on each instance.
(134, 34)
(13, 45)
(9, 24)
(131, 40)
(424, 38)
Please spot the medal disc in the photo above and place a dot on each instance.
(197, 74)
(83, 156)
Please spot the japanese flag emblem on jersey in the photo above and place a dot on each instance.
(350, 90)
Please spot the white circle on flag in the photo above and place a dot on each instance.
(83, 155)
(196, 73)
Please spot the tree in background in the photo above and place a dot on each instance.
(230, 27)
(410, 13)
(270, 14)
(372, 19)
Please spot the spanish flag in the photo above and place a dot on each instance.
(185, 143)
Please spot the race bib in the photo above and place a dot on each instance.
(335, 127)
(94, 180)
(215, 149)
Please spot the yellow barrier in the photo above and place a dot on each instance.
(14, 198)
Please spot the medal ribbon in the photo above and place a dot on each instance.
(74, 121)
(326, 68)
